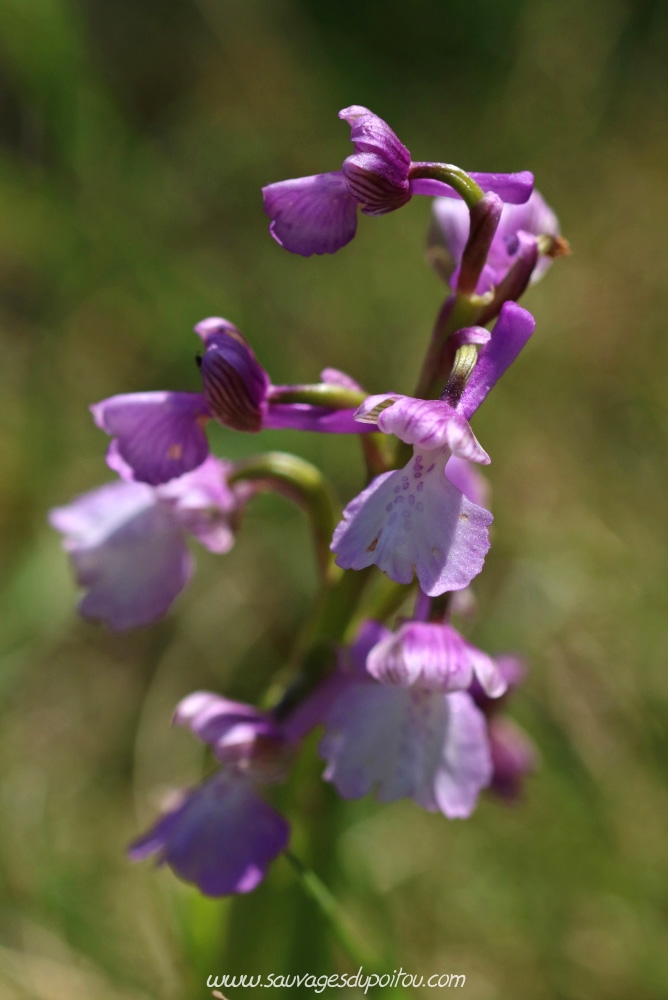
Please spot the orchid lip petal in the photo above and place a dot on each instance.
(407, 743)
(414, 521)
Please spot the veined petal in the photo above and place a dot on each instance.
(231, 728)
(433, 656)
(377, 172)
(371, 134)
(421, 653)
(222, 837)
(375, 184)
(234, 382)
(160, 435)
(407, 743)
(310, 215)
(414, 521)
(425, 423)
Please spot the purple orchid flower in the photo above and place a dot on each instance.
(403, 742)
(222, 835)
(318, 214)
(513, 245)
(414, 521)
(161, 435)
(127, 540)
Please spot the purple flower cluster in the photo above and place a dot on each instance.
(412, 711)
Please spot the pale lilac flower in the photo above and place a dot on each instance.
(237, 733)
(222, 835)
(161, 435)
(127, 540)
(404, 742)
(318, 214)
(414, 521)
(450, 230)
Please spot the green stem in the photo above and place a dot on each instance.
(303, 484)
(457, 178)
(345, 934)
(335, 397)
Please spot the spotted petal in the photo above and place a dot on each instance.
(414, 521)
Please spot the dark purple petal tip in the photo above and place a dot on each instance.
(234, 382)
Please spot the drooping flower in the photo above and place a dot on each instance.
(414, 521)
(161, 435)
(222, 835)
(403, 742)
(318, 214)
(514, 243)
(127, 540)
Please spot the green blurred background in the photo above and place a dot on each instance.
(134, 139)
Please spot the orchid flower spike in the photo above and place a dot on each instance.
(318, 214)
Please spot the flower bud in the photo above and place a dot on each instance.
(235, 384)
